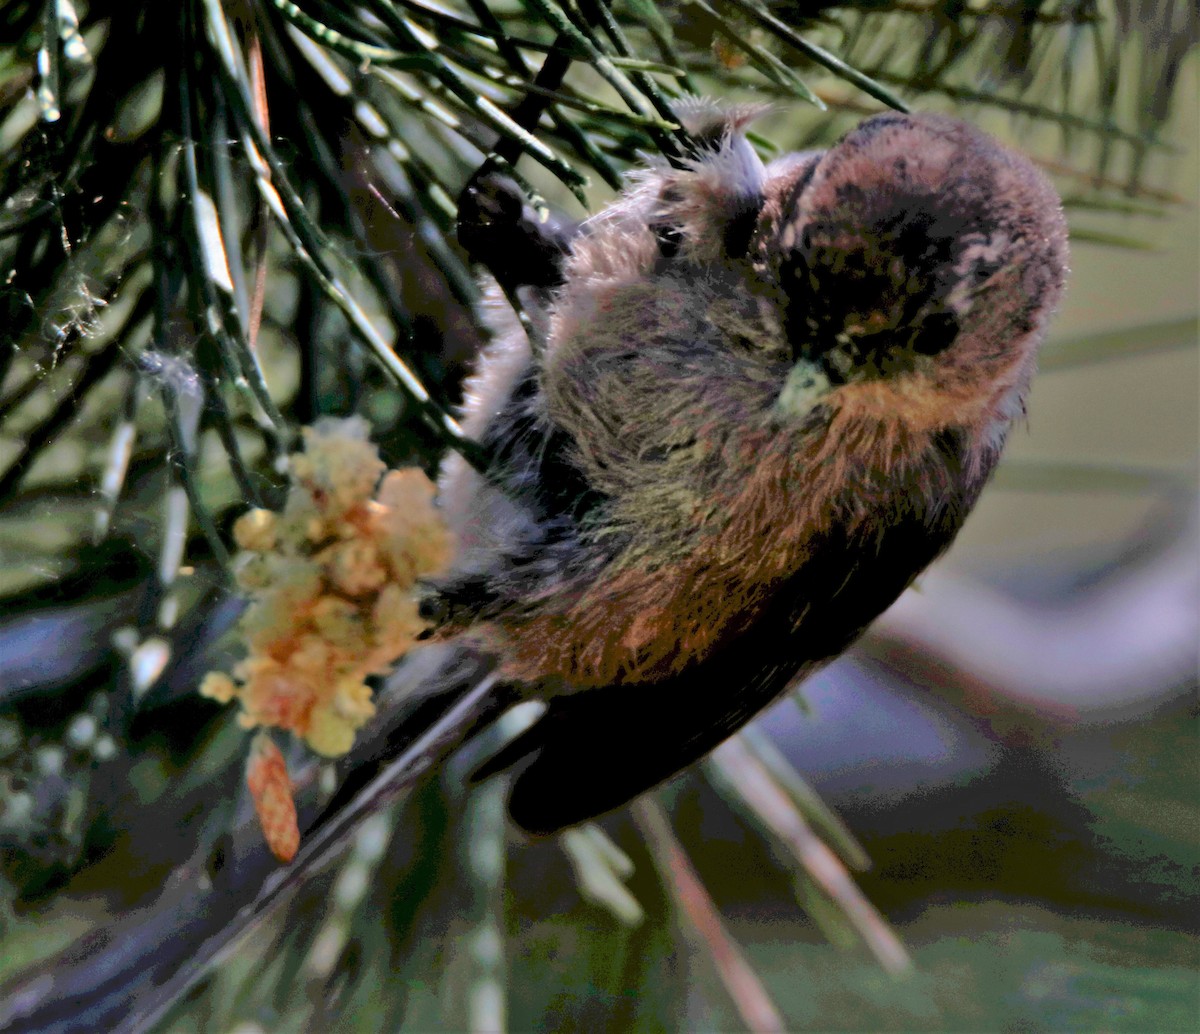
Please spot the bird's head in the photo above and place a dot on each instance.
(917, 253)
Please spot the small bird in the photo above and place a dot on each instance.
(748, 406)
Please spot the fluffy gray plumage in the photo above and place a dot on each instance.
(763, 398)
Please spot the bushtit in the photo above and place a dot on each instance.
(750, 405)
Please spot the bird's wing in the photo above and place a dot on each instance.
(595, 750)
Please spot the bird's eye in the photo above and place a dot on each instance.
(668, 237)
(936, 333)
